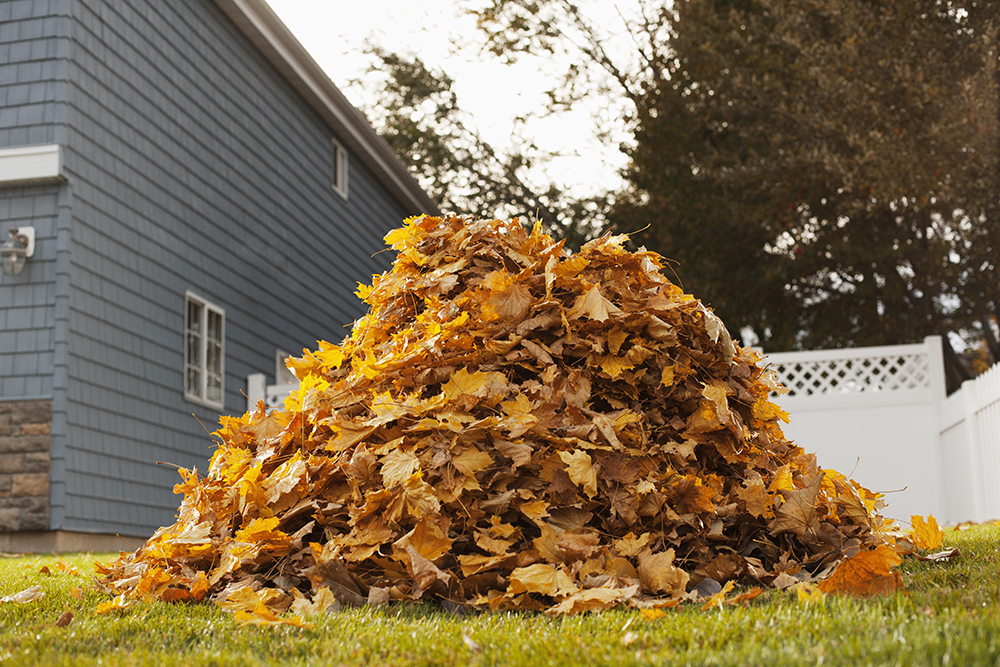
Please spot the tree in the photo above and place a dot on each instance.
(417, 111)
(824, 171)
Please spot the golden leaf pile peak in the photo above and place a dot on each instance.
(511, 426)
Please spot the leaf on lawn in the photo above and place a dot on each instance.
(808, 594)
(717, 599)
(925, 534)
(867, 573)
(941, 556)
(27, 595)
(263, 616)
(118, 603)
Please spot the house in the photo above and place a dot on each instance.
(202, 200)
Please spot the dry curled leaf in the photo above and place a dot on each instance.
(27, 595)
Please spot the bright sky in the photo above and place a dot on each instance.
(334, 32)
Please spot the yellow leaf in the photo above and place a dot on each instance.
(652, 614)
(541, 578)
(262, 531)
(925, 533)
(474, 564)
(581, 471)
(429, 539)
(331, 356)
(472, 461)
(263, 616)
(630, 545)
(615, 366)
(615, 340)
(782, 480)
(397, 466)
(717, 599)
(594, 306)
(285, 478)
(116, 604)
(765, 410)
(808, 594)
(477, 385)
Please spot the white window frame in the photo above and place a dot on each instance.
(200, 393)
(338, 172)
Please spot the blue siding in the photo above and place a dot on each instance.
(32, 52)
(32, 41)
(193, 166)
(27, 301)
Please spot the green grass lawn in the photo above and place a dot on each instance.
(950, 616)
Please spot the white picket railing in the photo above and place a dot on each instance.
(878, 414)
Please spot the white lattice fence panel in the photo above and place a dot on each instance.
(849, 375)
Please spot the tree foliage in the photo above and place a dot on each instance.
(417, 111)
(825, 172)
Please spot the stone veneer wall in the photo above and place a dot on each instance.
(25, 458)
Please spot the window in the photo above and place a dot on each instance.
(339, 179)
(204, 350)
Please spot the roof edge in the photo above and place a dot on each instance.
(271, 36)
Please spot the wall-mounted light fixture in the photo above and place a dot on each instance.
(16, 250)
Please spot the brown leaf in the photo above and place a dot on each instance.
(799, 513)
(659, 574)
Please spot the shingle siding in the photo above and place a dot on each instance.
(33, 47)
(27, 301)
(193, 166)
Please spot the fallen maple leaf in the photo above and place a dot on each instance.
(867, 573)
(118, 603)
(925, 534)
(263, 616)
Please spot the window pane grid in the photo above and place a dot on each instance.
(204, 352)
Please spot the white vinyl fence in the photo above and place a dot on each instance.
(872, 414)
(879, 415)
(970, 449)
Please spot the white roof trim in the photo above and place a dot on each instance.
(30, 164)
(266, 31)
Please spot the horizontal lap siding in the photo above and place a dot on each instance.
(194, 166)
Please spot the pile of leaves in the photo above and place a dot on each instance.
(511, 426)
